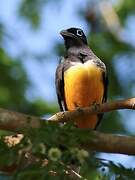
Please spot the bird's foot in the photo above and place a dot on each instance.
(95, 105)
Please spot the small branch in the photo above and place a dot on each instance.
(109, 143)
(101, 142)
(95, 109)
(14, 121)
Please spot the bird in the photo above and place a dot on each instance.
(81, 78)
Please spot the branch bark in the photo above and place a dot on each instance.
(95, 109)
(17, 122)
(109, 143)
(97, 141)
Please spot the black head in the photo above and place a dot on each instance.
(74, 37)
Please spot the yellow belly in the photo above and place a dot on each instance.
(83, 86)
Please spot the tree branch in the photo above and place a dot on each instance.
(17, 122)
(95, 109)
(109, 143)
(97, 141)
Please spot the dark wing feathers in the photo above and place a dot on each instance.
(59, 83)
(105, 82)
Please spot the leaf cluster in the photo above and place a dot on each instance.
(53, 152)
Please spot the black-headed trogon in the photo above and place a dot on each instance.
(81, 77)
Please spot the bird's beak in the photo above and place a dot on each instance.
(65, 33)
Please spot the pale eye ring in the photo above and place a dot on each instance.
(79, 32)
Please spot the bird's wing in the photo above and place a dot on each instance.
(59, 82)
(64, 64)
(105, 82)
(102, 66)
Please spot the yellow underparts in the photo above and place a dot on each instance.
(83, 86)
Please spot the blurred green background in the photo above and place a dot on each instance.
(30, 46)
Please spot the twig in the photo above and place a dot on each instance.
(95, 109)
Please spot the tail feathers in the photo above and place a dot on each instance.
(88, 122)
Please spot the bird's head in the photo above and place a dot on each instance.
(74, 37)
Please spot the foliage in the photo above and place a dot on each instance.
(45, 155)
(14, 83)
(30, 9)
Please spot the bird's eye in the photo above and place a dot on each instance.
(79, 32)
